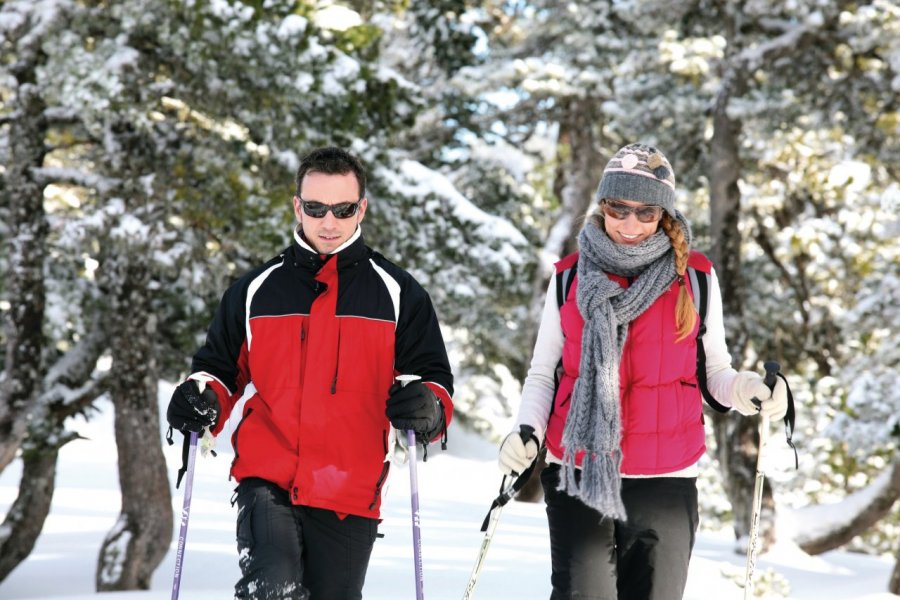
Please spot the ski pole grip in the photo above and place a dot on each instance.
(526, 432)
(772, 367)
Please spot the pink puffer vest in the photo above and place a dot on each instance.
(662, 420)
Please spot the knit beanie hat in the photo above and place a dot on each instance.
(640, 173)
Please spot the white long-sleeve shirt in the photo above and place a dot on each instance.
(538, 388)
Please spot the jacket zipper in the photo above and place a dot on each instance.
(337, 363)
(385, 468)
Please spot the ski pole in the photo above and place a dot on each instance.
(486, 543)
(493, 518)
(772, 369)
(185, 514)
(414, 500)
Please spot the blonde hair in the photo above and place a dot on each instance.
(685, 313)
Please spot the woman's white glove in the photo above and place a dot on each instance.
(518, 450)
(749, 386)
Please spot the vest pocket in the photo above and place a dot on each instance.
(694, 386)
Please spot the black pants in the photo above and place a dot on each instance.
(289, 552)
(645, 558)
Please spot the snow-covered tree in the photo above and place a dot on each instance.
(723, 87)
(159, 165)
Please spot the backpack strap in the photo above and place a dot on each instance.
(700, 284)
(564, 277)
(564, 281)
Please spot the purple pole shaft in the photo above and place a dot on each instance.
(185, 515)
(416, 526)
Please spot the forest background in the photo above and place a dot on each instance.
(147, 151)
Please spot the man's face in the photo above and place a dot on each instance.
(327, 233)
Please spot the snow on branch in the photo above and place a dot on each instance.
(781, 45)
(47, 175)
(73, 382)
(58, 115)
(10, 117)
(824, 527)
(77, 364)
(67, 401)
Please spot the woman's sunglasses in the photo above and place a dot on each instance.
(620, 211)
(318, 210)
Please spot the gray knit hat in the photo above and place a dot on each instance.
(640, 173)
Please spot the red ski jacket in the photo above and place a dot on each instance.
(302, 351)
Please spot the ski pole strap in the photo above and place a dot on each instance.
(507, 493)
(185, 450)
(789, 421)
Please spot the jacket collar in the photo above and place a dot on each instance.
(298, 238)
(347, 254)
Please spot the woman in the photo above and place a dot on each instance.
(624, 426)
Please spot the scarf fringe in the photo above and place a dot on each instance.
(601, 483)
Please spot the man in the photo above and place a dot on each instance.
(299, 361)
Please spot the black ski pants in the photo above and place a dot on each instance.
(289, 552)
(645, 558)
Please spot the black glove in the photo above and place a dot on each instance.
(415, 407)
(189, 410)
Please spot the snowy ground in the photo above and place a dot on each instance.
(456, 488)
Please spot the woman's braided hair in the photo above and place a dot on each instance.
(685, 313)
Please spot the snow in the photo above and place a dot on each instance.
(343, 70)
(337, 18)
(421, 181)
(292, 26)
(819, 519)
(455, 490)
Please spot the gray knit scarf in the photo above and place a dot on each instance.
(593, 425)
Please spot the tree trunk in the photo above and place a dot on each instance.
(580, 165)
(26, 516)
(70, 390)
(894, 583)
(139, 541)
(737, 437)
(24, 278)
(737, 449)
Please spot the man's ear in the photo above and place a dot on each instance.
(363, 204)
(298, 210)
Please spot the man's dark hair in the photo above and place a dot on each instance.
(331, 161)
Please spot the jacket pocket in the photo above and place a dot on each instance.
(234, 437)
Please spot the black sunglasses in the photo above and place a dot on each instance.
(318, 210)
(620, 211)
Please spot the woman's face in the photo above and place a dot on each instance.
(628, 222)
